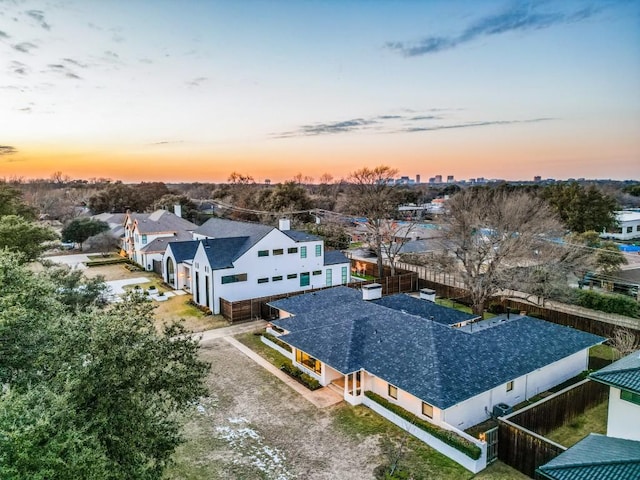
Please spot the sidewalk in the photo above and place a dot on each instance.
(321, 398)
(216, 333)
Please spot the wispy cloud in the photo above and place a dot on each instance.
(4, 35)
(166, 142)
(7, 150)
(519, 17)
(396, 124)
(38, 16)
(18, 68)
(75, 62)
(64, 70)
(196, 82)
(24, 47)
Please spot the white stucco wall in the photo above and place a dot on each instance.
(624, 417)
(406, 400)
(329, 374)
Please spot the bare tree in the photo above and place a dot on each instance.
(491, 231)
(374, 197)
(394, 236)
(624, 342)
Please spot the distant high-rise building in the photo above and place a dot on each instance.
(449, 178)
(537, 178)
(418, 178)
(438, 179)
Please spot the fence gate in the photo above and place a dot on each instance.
(491, 437)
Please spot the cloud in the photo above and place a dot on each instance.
(196, 82)
(75, 62)
(7, 150)
(519, 17)
(19, 68)
(394, 124)
(472, 124)
(63, 69)
(4, 35)
(24, 47)
(38, 16)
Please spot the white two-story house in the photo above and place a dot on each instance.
(239, 260)
(146, 235)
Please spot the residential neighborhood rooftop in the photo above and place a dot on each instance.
(161, 221)
(596, 457)
(334, 257)
(624, 373)
(424, 308)
(437, 363)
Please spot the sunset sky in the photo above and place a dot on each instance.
(193, 90)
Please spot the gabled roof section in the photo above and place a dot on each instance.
(424, 308)
(183, 251)
(221, 252)
(334, 257)
(439, 364)
(298, 236)
(162, 221)
(160, 244)
(624, 374)
(596, 457)
(223, 228)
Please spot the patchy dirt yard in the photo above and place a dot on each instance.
(255, 427)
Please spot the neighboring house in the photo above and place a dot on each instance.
(115, 222)
(433, 361)
(628, 226)
(240, 260)
(142, 229)
(623, 378)
(595, 457)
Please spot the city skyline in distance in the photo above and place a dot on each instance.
(161, 91)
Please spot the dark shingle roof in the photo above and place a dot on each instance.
(441, 365)
(297, 236)
(625, 373)
(160, 244)
(162, 221)
(596, 457)
(221, 252)
(223, 228)
(334, 257)
(184, 250)
(424, 308)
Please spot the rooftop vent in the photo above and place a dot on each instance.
(428, 294)
(372, 291)
(284, 224)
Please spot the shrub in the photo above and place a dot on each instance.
(277, 341)
(447, 436)
(610, 303)
(294, 372)
(107, 261)
(204, 309)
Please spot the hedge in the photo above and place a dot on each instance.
(107, 261)
(297, 374)
(277, 341)
(610, 303)
(447, 436)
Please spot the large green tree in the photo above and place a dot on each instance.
(24, 236)
(80, 229)
(582, 208)
(11, 202)
(88, 393)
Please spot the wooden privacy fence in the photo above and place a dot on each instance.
(521, 441)
(244, 310)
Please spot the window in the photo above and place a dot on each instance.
(278, 251)
(308, 361)
(629, 229)
(317, 272)
(292, 250)
(392, 391)
(276, 279)
(292, 275)
(144, 239)
(263, 253)
(318, 250)
(303, 252)
(304, 279)
(263, 280)
(240, 277)
(329, 278)
(344, 274)
(509, 386)
(427, 410)
(630, 397)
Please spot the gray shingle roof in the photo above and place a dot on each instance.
(160, 244)
(221, 252)
(184, 250)
(162, 221)
(334, 257)
(424, 308)
(298, 236)
(439, 364)
(625, 373)
(596, 457)
(223, 228)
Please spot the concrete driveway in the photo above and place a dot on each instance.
(73, 261)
